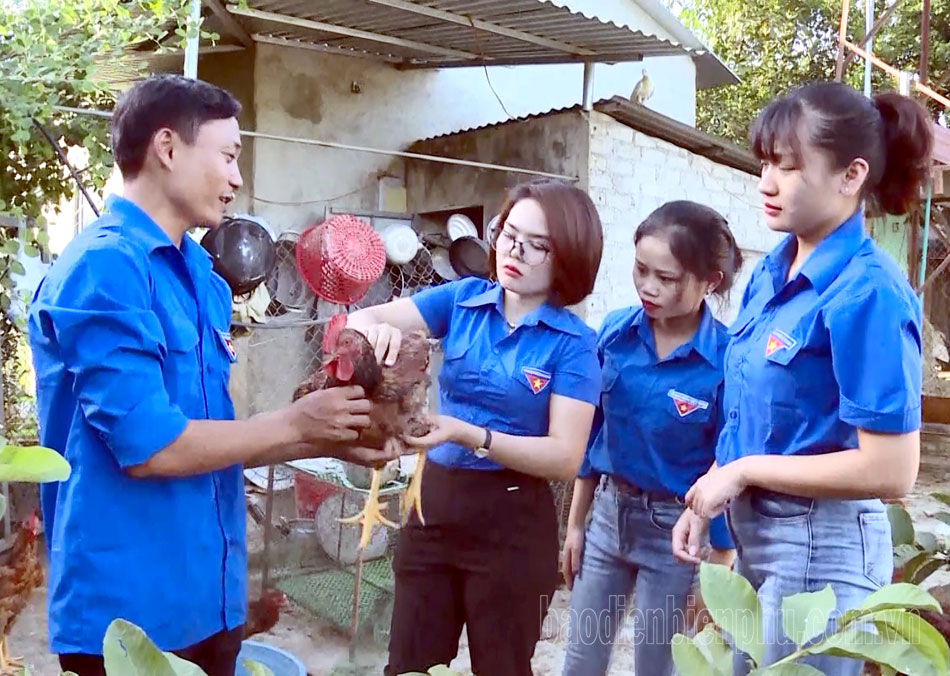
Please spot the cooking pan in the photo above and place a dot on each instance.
(469, 257)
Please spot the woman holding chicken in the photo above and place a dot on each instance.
(519, 383)
(655, 433)
(823, 371)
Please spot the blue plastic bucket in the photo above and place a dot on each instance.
(281, 662)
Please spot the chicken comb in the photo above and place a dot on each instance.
(332, 334)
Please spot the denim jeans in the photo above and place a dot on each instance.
(628, 547)
(787, 545)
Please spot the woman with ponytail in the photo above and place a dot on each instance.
(822, 387)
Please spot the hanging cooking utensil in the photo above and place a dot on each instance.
(442, 264)
(284, 283)
(469, 257)
(460, 225)
(242, 252)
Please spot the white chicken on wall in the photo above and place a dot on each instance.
(643, 90)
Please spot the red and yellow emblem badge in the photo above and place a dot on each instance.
(779, 340)
(686, 404)
(537, 379)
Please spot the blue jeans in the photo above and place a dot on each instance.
(787, 545)
(627, 547)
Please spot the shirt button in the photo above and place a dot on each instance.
(733, 415)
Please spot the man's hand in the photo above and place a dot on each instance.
(332, 415)
(571, 554)
(689, 535)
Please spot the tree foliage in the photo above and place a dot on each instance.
(775, 45)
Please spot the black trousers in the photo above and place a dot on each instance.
(217, 655)
(487, 558)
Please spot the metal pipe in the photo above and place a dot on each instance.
(923, 254)
(191, 42)
(365, 149)
(868, 26)
(925, 42)
(588, 85)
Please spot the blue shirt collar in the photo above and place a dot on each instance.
(827, 260)
(705, 342)
(558, 319)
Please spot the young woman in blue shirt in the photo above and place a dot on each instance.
(823, 372)
(654, 434)
(518, 386)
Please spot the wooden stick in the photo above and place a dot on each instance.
(842, 38)
(874, 29)
(886, 67)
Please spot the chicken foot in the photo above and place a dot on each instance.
(371, 514)
(9, 666)
(413, 497)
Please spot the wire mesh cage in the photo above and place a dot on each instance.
(936, 306)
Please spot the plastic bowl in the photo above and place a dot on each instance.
(280, 662)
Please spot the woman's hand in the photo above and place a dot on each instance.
(722, 557)
(711, 493)
(385, 339)
(446, 428)
(689, 536)
(572, 553)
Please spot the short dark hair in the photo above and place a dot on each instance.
(164, 101)
(891, 132)
(577, 238)
(699, 238)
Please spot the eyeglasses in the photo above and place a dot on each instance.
(531, 253)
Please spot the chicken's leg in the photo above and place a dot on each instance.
(413, 497)
(371, 514)
(9, 666)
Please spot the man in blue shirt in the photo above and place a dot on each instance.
(130, 338)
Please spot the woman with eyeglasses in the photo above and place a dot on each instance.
(519, 383)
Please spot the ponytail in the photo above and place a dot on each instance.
(908, 146)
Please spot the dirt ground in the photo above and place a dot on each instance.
(326, 652)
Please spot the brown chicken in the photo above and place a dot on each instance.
(399, 394)
(263, 614)
(22, 574)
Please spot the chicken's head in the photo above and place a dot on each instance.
(340, 350)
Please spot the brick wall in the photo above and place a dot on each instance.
(631, 174)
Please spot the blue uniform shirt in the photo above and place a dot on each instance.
(499, 380)
(658, 420)
(834, 349)
(130, 340)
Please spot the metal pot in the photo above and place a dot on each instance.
(469, 257)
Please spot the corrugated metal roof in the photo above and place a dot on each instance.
(439, 33)
(652, 123)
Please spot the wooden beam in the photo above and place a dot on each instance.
(464, 20)
(349, 32)
(300, 44)
(230, 23)
(842, 37)
(941, 144)
(874, 29)
(925, 42)
(886, 67)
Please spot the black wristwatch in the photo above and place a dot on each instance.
(485, 448)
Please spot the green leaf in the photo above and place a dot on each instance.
(902, 526)
(902, 596)
(734, 607)
(897, 653)
(128, 651)
(944, 517)
(42, 237)
(715, 649)
(912, 628)
(904, 553)
(926, 569)
(32, 464)
(31, 251)
(256, 668)
(787, 670)
(16, 267)
(942, 497)
(688, 658)
(805, 616)
(11, 246)
(927, 541)
(442, 670)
